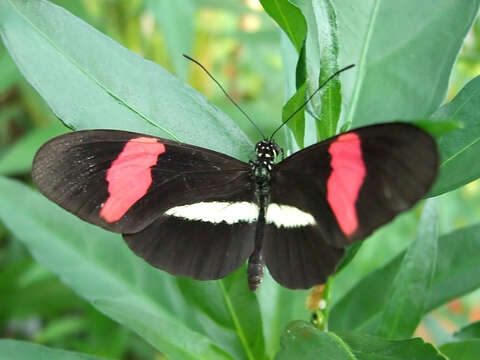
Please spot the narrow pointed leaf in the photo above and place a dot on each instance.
(409, 290)
(320, 61)
(22, 350)
(289, 18)
(279, 306)
(297, 123)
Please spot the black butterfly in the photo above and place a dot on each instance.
(198, 213)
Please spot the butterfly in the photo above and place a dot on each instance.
(199, 213)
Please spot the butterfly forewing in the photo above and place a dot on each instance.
(123, 181)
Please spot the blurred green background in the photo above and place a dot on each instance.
(240, 45)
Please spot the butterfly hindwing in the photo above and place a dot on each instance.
(194, 248)
(299, 257)
(350, 184)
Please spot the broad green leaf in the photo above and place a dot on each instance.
(464, 350)
(320, 62)
(459, 149)
(90, 81)
(22, 350)
(409, 290)
(161, 308)
(404, 52)
(303, 341)
(289, 18)
(18, 158)
(168, 15)
(358, 310)
(297, 123)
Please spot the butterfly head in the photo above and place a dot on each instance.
(267, 151)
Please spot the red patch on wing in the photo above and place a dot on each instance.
(345, 180)
(130, 176)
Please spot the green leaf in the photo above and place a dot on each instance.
(408, 293)
(161, 308)
(18, 158)
(469, 332)
(168, 16)
(358, 310)
(436, 127)
(61, 328)
(227, 301)
(320, 62)
(465, 344)
(297, 123)
(349, 255)
(17, 288)
(303, 341)
(9, 74)
(279, 306)
(459, 149)
(404, 52)
(464, 350)
(289, 18)
(22, 350)
(90, 81)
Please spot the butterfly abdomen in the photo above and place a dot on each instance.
(255, 269)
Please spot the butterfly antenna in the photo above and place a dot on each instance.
(226, 94)
(311, 96)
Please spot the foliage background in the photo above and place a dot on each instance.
(241, 45)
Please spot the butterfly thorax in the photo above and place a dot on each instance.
(267, 151)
